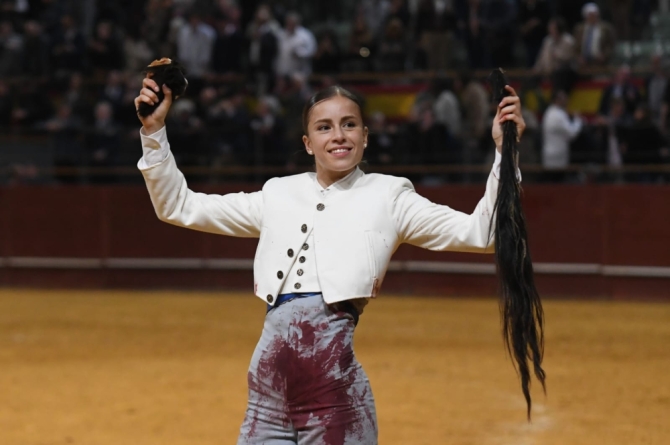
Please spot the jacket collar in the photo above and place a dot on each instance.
(345, 183)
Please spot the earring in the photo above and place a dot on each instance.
(310, 152)
(365, 145)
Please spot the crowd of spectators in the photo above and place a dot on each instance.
(69, 70)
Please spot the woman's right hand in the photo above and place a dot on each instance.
(156, 120)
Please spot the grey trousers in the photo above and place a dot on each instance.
(305, 385)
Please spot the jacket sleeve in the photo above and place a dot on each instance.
(423, 223)
(233, 214)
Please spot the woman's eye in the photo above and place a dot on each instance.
(350, 124)
(323, 127)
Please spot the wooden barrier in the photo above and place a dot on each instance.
(597, 240)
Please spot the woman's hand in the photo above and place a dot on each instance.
(156, 120)
(509, 109)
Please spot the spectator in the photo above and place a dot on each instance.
(400, 10)
(137, 52)
(375, 13)
(557, 56)
(499, 21)
(642, 141)
(594, 37)
(621, 88)
(392, 48)
(195, 41)
(103, 141)
(558, 129)
(262, 34)
(229, 44)
(533, 18)
(297, 47)
(65, 128)
(268, 127)
(327, 58)
(35, 51)
(656, 85)
(434, 27)
(114, 91)
(470, 24)
(292, 93)
(447, 109)
(105, 50)
(475, 102)
(361, 46)
(75, 96)
(617, 121)
(427, 140)
(11, 49)
(381, 141)
(31, 106)
(621, 17)
(186, 132)
(69, 48)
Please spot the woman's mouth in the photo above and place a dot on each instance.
(340, 152)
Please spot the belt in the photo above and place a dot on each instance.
(283, 298)
(341, 306)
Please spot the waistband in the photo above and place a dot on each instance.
(344, 306)
(283, 298)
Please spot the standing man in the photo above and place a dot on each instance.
(558, 130)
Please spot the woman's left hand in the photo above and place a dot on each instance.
(509, 109)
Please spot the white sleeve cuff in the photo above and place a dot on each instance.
(155, 148)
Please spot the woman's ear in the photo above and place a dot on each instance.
(308, 144)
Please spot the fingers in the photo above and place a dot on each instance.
(168, 94)
(509, 100)
(150, 94)
(511, 90)
(150, 83)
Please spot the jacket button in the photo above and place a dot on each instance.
(297, 285)
(301, 259)
(300, 272)
(270, 298)
(280, 274)
(320, 207)
(305, 246)
(304, 228)
(290, 253)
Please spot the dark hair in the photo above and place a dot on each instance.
(324, 94)
(520, 305)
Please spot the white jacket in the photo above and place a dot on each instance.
(355, 231)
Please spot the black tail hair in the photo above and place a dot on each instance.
(520, 306)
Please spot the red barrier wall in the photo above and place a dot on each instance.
(600, 225)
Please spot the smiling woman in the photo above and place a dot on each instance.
(326, 240)
(334, 133)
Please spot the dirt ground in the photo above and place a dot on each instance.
(117, 368)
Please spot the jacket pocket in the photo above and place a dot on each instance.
(372, 259)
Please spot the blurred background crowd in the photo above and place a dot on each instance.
(70, 69)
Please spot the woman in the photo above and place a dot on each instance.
(326, 239)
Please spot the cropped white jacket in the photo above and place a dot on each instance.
(355, 231)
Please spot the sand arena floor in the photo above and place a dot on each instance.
(169, 368)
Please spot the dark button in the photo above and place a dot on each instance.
(280, 274)
(290, 253)
(320, 207)
(300, 272)
(305, 246)
(270, 298)
(304, 228)
(301, 259)
(297, 285)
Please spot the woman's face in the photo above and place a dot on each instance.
(336, 137)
